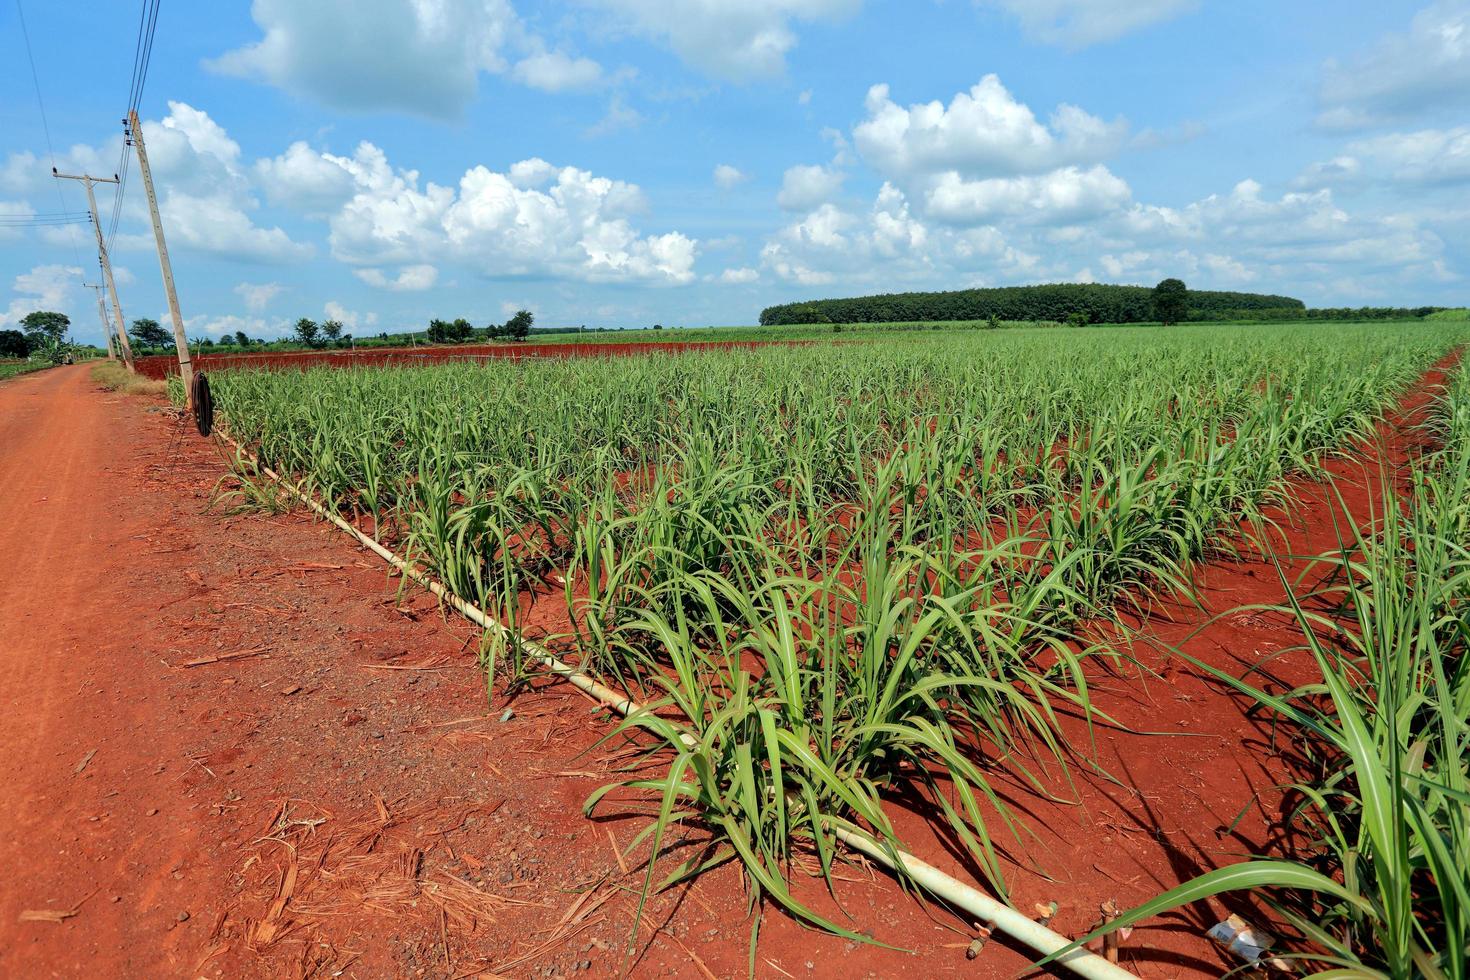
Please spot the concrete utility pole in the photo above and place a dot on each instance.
(87, 182)
(133, 128)
(102, 314)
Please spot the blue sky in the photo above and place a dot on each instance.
(625, 162)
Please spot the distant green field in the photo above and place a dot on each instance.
(11, 369)
(817, 331)
(808, 331)
(1457, 316)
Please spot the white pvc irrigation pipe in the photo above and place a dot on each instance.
(957, 893)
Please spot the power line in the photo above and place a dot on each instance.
(45, 123)
(143, 53)
(138, 50)
(142, 57)
(35, 79)
(123, 160)
(42, 222)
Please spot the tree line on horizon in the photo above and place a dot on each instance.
(42, 334)
(1076, 303)
(148, 334)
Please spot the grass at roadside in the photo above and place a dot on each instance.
(113, 376)
(14, 369)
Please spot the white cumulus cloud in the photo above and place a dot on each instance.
(1427, 156)
(215, 224)
(415, 56)
(554, 71)
(804, 187)
(412, 278)
(304, 179)
(257, 296)
(1068, 194)
(350, 319)
(51, 288)
(984, 132)
(737, 40)
(986, 155)
(740, 276)
(207, 195)
(533, 219)
(727, 176)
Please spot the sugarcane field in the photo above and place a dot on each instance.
(1059, 567)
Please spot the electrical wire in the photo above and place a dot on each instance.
(45, 123)
(144, 55)
(45, 219)
(142, 58)
(43, 214)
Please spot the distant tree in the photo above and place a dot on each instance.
(438, 331)
(307, 332)
(1170, 301)
(332, 330)
(992, 322)
(149, 333)
(658, 326)
(242, 339)
(461, 330)
(45, 325)
(493, 331)
(206, 342)
(518, 327)
(13, 343)
(1078, 319)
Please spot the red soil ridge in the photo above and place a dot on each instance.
(161, 366)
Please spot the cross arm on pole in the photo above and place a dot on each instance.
(86, 177)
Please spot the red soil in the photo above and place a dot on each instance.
(159, 367)
(337, 797)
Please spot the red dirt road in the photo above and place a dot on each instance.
(74, 724)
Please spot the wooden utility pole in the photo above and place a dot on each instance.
(134, 130)
(102, 314)
(87, 182)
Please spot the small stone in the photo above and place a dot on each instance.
(153, 812)
(507, 715)
(183, 916)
